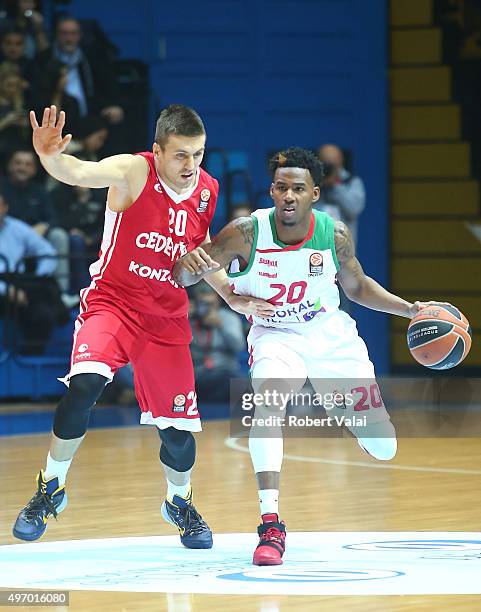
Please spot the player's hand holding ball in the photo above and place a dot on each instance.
(439, 335)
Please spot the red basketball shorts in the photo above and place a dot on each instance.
(109, 336)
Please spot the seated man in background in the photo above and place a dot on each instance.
(35, 296)
(343, 196)
(29, 201)
(12, 51)
(217, 338)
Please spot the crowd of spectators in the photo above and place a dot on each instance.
(48, 229)
(42, 64)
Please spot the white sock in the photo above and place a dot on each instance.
(181, 490)
(269, 501)
(57, 468)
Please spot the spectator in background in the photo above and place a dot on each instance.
(29, 201)
(24, 17)
(35, 297)
(82, 216)
(342, 194)
(14, 123)
(91, 135)
(49, 88)
(12, 51)
(243, 209)
(217, 338)
(90, 81)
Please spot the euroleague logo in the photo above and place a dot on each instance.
(315, 573)
(316, 264)
(179, 403)
(158, 188)
(415, 545)
(204, 200)
(82, 348)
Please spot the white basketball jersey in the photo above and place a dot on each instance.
(300, 279)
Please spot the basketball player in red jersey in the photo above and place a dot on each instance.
(159, 207)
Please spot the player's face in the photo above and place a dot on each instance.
(293, 192)
(178, 160)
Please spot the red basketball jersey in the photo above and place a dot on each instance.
(141, 245)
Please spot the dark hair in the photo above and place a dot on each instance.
(13, 152)
(65, 17)
(295, 157)
(12, 30)
(179, 120)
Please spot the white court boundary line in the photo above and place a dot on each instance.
(234, 445)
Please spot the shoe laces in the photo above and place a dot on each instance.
(273, 534)
(193, 522)
(37, 504)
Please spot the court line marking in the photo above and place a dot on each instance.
(234, 445)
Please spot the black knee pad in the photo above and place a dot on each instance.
(73, 412)
(178, 449)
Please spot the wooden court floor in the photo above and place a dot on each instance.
(115, 487)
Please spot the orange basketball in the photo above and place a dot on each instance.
(439, 336)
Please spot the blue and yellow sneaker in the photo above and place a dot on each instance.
(194, 531)
(49, 500)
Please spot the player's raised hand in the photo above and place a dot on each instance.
(47, 137)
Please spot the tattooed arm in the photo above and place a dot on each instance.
(361, 288)
(233, 241)
(210, 260)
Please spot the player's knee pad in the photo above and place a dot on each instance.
(178, 449)
(73, 412)
(383, 449)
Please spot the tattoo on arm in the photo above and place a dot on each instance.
(344, 242)
(245, 226)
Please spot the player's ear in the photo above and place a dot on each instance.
(316, 194)
(156, 148)
(271, 191)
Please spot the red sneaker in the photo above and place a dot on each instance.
(272, 543)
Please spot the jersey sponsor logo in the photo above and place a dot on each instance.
(268, 262)
(161, 244)
(158, 188)
(268, 274)
(297, 312)
(179, 403)
(307, 316)
(316, 264)
(162, 274)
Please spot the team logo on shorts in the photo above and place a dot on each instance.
(204, 200)
(82, 348)
(316, 264)
(179, 403)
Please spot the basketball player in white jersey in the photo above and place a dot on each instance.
(291, 256)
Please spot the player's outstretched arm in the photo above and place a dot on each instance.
(233, 241)
(363, 289)
(49, 144)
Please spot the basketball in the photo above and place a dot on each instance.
(439, 336)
